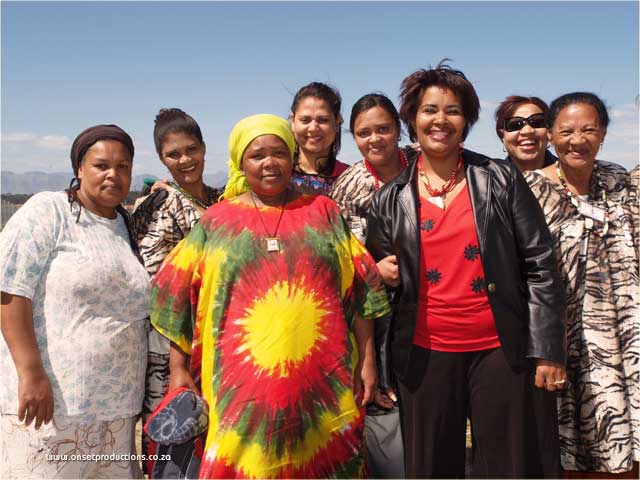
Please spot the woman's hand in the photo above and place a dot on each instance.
(388, 267)
(365, 382)
(385, 399)
(35, 398)
(159, 184)
(550, 375)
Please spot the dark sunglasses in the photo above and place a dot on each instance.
(513, 124)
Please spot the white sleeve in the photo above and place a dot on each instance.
(26, 244)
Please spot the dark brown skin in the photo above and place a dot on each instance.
(179, 375)
(35, 398)
(267, 165)
(365, 378)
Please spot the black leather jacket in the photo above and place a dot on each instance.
(522, 281)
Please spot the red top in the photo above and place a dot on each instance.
(453, 308)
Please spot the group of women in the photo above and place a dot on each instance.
(428, 283)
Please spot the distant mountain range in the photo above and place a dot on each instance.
(34, 182)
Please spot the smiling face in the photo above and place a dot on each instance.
(105, 177)
(314, 126)
(376, 136)
(267, 164)
(439, 123)
(526, 147)
(183, 155)
(576, 135)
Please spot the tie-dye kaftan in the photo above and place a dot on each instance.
(270, 332)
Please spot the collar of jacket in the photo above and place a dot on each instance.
(479, 179)
(470, 158)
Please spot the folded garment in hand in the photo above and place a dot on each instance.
(181, 416)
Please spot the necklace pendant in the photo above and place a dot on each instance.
(437, 201)
(273, 244)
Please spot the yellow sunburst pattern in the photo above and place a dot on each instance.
(271, 332)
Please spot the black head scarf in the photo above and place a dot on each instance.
(81, 144)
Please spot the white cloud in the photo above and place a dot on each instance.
(54, 142)
(629, 110)
(17, 137)
(624, 133)
(46, 142)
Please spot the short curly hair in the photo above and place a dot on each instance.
(414, 86)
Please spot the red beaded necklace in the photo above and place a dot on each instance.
(448, 186)
(374, 174)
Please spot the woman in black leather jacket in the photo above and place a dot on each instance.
(479, 311)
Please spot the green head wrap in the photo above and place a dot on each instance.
(245, 132)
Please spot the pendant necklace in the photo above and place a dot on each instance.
(372, 171)
(272, 241)
(437, 195)
(190, 197)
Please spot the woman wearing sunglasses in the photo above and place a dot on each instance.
(522, 128)
(585, 204)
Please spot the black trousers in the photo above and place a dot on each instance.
(514, 424)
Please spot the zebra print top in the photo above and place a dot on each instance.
(354, 190)
(599, 413)
(634, 205)
(161, 220)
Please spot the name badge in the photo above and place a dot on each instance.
(591, 211)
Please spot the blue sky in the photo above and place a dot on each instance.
(70, 65)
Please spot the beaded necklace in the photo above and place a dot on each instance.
(448, 186)
(190, 197)
(576, 201)
(374, 174)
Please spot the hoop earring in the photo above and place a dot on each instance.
(504, 147)
(601, 146)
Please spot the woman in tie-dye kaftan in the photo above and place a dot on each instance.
(271, 333)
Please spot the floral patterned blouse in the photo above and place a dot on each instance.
(90, 299)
